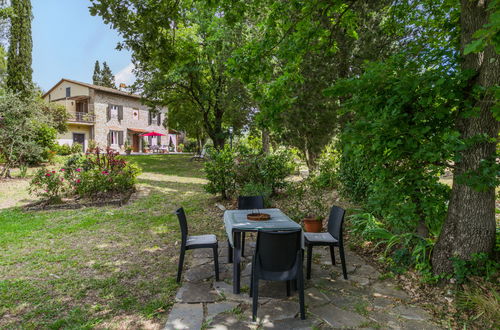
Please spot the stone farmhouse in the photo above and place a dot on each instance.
(110, 117)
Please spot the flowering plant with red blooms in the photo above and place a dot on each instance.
(93, 175)
(48, 184)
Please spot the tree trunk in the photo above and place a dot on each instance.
(265, 140)
(470, 223)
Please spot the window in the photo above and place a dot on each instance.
(114, 111)
(114, 137)
(68, 91)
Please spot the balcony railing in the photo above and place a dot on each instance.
(82, 117)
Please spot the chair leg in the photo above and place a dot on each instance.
(243, 244)
(309, 260)
(216, 262)
(300, 280)
(250, 292)
(181, 263)
(288, 284)
(255, 297)
(229, 252)
(332, 254)
(342, 259)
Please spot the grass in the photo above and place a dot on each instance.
(106, 267)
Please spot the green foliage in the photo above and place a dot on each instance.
(399, 140)
(26, 131)
(48, 184)
(76, 148)
(96, 76)
(257, 189)
(63, 150)
(354, 176)
(181, 55)
(23, 170)
(19, 58)
(489, 34)
(306, 198)
(107, 78)
(400, 251)
(228, 171)
(219, 170)
(327, 174)
(94, 175)
(480, 264)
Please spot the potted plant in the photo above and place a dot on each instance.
(128, 148)
(311, 205)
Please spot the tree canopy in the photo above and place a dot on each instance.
(406, 90)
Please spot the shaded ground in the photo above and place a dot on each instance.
(365, 300)
(101, 267)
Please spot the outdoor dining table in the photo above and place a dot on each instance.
(236, 222)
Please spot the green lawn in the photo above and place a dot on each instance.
(107, 267)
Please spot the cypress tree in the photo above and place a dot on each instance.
(96, 77)
(19, 71)
(107, 77)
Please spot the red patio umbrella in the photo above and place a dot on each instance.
(153, 133)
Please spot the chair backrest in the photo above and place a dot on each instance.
(181, 215)
(277, 251)
(335, 222)
(250, 202)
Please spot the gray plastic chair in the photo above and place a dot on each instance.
(195, 242)
(278, 257)
(333, 237)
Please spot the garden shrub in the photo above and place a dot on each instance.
(326, 175)
(305, 198)
(94, 175)
(76, 148)
(257, 189)
(229, 171)
(219, 171)
(480, 265)
(63, 150)
(49, 185)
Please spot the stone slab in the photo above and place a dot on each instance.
(287, 324)
(410, 313)
(314, 297)
(219, 307)
(191, 293)
(185, 316)
(338, 318)
(225, 291)
(277, 310)
(199, 273)
(389, 290)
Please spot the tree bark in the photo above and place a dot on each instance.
(470, 223)
(265, 140)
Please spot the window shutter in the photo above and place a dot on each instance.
(120, 138)
(159, 140)
(120, 112)
(149, 118)
(108, 112)
(150, 140)
(109, 138)
(159, 118)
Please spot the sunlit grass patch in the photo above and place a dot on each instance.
(105, 267)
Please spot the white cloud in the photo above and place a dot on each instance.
(125, 75)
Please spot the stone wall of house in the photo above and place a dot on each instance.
(135, 116)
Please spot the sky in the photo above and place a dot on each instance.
(67, 41)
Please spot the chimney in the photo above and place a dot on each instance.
(122, 86)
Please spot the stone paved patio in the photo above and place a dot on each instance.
(362, 301)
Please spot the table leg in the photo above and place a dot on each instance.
(236, 261)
